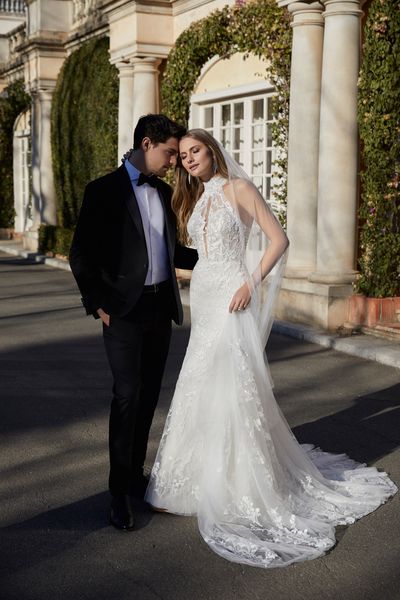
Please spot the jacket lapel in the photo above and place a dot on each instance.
(130, 199)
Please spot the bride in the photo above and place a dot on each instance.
(227, 454)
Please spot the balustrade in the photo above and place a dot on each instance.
(12, 6)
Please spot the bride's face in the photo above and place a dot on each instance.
(196, 158)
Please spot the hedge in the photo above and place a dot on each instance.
(84, 125)
(379, 123)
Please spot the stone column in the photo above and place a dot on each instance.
(304, 116)
(35, 158)
(43, 193)
(47, 191)
(125, 108)
(338, 162)
(145, 87)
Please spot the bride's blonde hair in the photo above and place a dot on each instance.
(188, 189)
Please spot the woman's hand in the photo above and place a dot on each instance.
(240, 299)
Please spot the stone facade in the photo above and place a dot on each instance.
(323, 146)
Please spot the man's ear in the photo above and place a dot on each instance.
(146, 142)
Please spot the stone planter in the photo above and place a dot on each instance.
(6, 233)
(369, 312)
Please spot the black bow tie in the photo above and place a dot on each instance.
(150, 179)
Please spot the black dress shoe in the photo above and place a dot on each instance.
(122, 516)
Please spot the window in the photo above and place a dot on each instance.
(244, 128)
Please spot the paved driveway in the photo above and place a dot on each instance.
(55, 542)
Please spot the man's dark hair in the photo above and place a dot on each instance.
(158, 128)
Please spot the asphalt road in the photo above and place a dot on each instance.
(55, 541)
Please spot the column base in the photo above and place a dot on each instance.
(333, 277)
(30, 240)
(321, 305)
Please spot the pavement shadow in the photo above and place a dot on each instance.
(34, 540)
(366, 431)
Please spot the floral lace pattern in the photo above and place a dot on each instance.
(227, 454)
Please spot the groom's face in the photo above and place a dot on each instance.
(161, 156)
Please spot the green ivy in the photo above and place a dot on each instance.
(259, 27)
(379, 123)
(13, 101)
(55, 240)
(84, 125)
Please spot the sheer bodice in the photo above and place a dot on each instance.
(217, 232)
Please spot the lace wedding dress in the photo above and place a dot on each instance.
(227, 454)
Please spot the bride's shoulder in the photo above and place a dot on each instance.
(238, 188)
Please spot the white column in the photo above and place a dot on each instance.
(47, 191)
(304, 116)
(125, 107)
(145, 87)
(43, 192)
(35, 157)
(338, 162)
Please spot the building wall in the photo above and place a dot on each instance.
(323, 165)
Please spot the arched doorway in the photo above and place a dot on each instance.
(22, 172)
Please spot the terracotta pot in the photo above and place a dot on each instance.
(373, 311)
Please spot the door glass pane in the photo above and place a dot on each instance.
(258, 182)
(257, 163)
(269, 135)
(270, 115)
(258, 136)
(226, 114)
(238, 113)
(268, 161)
(226, 139)
(238, 140)
(258, 110)
(268, 189)
(209, 117)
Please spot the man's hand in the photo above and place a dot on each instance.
(104, 316)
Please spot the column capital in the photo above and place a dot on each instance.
(147, 64)
(306, 13)
(125, 69)
(342, 7)
(45, 95)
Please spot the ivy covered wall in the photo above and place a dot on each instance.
(84, 134)
(379, 122)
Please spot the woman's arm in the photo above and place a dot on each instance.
(250, 205)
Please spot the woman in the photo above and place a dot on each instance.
(227, 454)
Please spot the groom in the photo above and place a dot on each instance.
(123, 256)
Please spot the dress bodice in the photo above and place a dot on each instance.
(215, 227)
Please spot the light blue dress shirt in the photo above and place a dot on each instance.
(153, 219)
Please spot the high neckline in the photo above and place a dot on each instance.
(214, 184)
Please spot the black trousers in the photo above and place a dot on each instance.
(137, 347)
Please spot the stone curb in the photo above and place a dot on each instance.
(380, 350)
(17, 250)
(361, 345)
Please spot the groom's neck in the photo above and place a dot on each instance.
(138, 160)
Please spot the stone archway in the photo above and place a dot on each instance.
(22, 172)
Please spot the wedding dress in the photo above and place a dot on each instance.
(227, 454)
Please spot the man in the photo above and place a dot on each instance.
(123, 256)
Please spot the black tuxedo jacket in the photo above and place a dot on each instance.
(108, 255)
